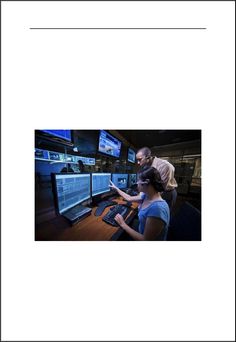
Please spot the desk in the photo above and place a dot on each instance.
(91, 228)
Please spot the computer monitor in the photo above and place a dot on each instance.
(70, 190)
(131, 155)
(86, 160)
(120, 180)
(108, 144)
(59, 133)
(100, 183)
(132, 179)
(41, 154)
(63, 136)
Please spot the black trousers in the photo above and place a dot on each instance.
(170, 197)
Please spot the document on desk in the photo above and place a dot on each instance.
(93, 65)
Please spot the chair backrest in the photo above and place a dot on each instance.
(185, 225)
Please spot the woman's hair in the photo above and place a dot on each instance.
(150, 175)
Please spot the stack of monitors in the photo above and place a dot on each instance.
(72, 189)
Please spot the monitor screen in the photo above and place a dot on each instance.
(86, 160)
(132, 179)
(56, 156)
(41, 154)
(100, 183)
(64, 134)
(71, 189)
(120, 180)
(131, 155)
(108, 144)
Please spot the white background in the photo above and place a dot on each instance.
(160, 79)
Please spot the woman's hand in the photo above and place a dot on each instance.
(112, 185)
(119, 219)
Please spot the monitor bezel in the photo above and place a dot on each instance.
(104, 153)
(55, 193)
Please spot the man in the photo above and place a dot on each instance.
(166, 170)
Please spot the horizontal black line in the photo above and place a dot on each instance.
(117, 28)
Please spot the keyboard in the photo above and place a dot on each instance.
(117, 209)
(77, 212)
(102, 205)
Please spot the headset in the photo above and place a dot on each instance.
(146, 181)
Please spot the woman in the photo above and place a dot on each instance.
(154, 214)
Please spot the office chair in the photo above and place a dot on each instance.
(185, 225)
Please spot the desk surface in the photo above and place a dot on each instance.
(91, 228)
